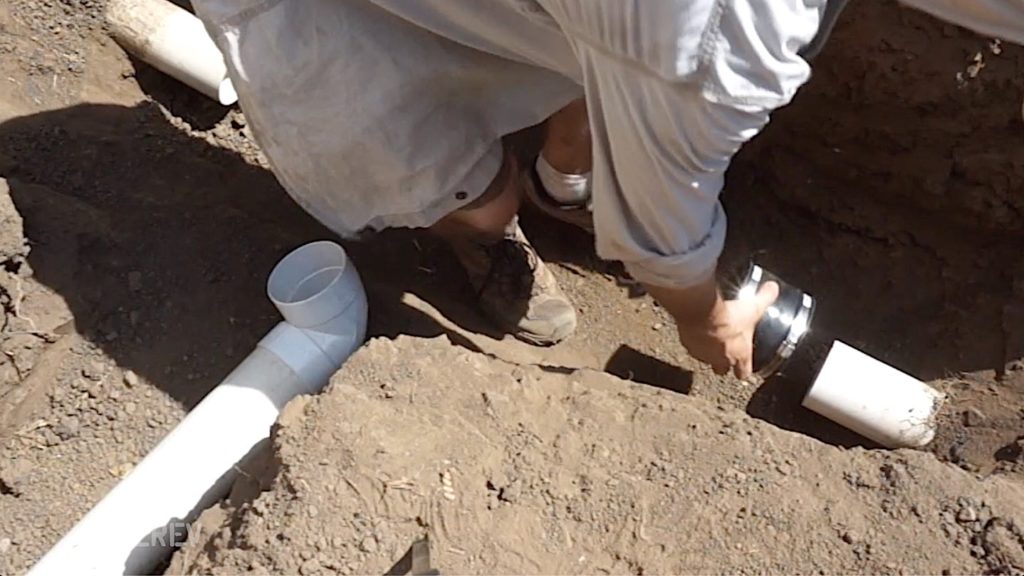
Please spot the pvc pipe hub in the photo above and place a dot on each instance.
(313, 284)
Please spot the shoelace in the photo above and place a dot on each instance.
(511, 267)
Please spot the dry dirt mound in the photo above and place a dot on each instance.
(512, 469)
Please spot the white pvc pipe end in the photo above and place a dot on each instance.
(874, 399)
(173, 41)
(318, 290)
(313, 284)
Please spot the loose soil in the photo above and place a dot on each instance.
(511, 469)
(138, 222)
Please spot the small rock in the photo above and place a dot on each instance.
(93, 371)
(135, 280)
(131, 379)
(850, 537)
(973, 417)
(511, 493)
(967, 514)
(67, 428)
(368, 544)
(657, 326)
(50, 438)
(129, 408)
(94, 389)
(984, 513)
(5, 545)
(121, 470)
(310, 566)
(312, 511)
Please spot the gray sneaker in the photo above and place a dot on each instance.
(516, 289)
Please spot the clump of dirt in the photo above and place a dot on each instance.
(12, 230)
(521, 469)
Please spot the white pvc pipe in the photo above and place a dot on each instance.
(874, 399)
(135, 527)
(173, 41)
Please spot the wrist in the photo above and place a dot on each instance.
(696, 306)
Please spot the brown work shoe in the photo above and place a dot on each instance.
(516, 289)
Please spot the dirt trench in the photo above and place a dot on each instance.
(139, 222)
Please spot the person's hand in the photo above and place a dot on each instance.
(713, 330)
(725, 340)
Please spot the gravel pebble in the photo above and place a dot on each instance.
(131, 379)
(368, 545)
(967, 514)
(93, 371)
(68, 428)
(973, 417)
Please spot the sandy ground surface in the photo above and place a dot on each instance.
(138, 223)
(512, 469)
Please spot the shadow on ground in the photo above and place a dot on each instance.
(161, 244)
(109, 192)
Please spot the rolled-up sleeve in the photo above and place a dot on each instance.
(661, 150)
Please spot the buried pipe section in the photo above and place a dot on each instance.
(874, 399)
(173, 41)
(135, 527)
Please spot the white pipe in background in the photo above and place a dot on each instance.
(173, 41)
(874, 399)
(134, 528)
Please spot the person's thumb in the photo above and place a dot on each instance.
(765, 297)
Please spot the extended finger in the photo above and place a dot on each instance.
(743, 368)
(766, 295)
